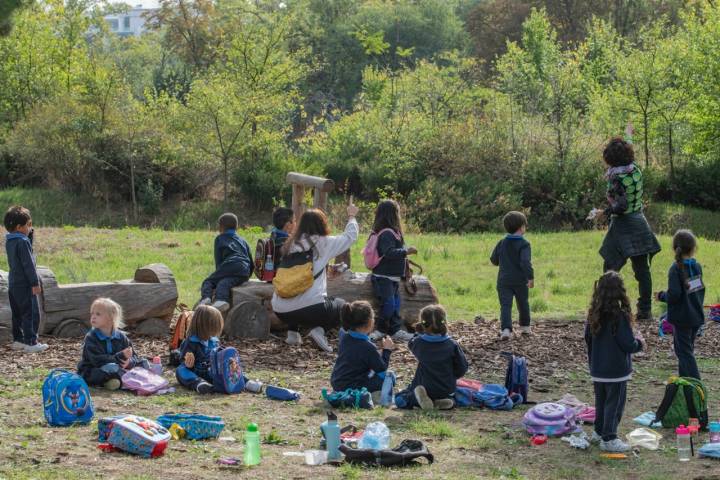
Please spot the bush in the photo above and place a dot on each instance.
(696, 184)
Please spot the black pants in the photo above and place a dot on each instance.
(388, 294)
(326, 315)
(609, 405)
(506, 294)
(684, 344)
(98, 376)
(25, 315)
(641, 268)
(221, 282)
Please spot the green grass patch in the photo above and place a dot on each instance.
(432, 427)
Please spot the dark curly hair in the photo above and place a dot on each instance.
(618, 153)
(357, 315)
(608, 300)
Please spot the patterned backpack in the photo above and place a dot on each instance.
(551, 419)
(516, 376)
(143, 382)
(66, 399)
(226, 370)
(196, 426)
(133, 434)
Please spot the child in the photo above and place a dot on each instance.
(358, 363)
(629, 235)
(107, 352)
(24, 283)
(610, 343)
(283, 226)
(387, 274)
(233, 264)
(441, 362)
(516, 275)
(684, 297)
(205, 328)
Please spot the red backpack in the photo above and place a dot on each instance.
(264, 258)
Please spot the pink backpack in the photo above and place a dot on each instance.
(143, 382)
(370, 251)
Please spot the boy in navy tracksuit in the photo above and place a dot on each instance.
(24, 283)
(441, 362)
(516, 276)
(233, 264)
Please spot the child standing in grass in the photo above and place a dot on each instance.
(23, 282)
(233, 264)
(685, 297)
(205, 328)
(107, 352)
(359, 365)
(441, 362)
(516, 276)
(610, 345)
(386, 276)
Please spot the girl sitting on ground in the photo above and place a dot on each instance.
(205, 328)
(610, 343)
(359, 365)
(441, 362)
(107, 353)
(685, 297)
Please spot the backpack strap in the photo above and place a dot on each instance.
(670, 392)
(688, 392)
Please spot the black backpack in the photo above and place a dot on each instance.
(404, 454)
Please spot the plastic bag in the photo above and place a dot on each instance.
(642, 437)
(376, 437)
(710, 450)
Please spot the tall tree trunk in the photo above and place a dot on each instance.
(646, 121)
(132, 190)
(225, 183)
(670, 149)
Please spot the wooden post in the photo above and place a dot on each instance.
(320, 200)
(297, 201)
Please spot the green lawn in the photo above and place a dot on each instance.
(566, 264)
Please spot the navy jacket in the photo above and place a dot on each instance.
(357, 359)
(393, 254)
(279, 237)
(441, 362)
(610, 351)
(201, 350)
(23, 273)
(513, 255)
(232, 253)
(99, 350)
(684, 309)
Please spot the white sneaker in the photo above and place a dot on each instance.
(17, 346)
(205, 301)
(38, 347)
(376, 335)
(525, 330)
(595, 438)
(422, 398)
(402, 336)
(318, 336)
(293, 338)
(614, 446)
(222, 306)
(505, 334)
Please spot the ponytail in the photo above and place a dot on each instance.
(356, 315)
(433, 320)
(684, 244)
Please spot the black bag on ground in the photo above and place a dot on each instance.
(404, 454)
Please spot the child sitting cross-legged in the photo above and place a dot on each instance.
(205, 328)
(441, 362)
(107, 352)
(359, 365)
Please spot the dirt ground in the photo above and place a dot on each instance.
(467, 443)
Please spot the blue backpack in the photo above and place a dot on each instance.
(516, 376)
(66, 399)
(196, 426)
(226, 370)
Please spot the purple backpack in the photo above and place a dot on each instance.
(551, 419)
(143, 382)
(665, 328)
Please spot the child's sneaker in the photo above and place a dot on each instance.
(525, 330)
(17, 346)
(376, 335)
(614, 446)
(402, 336)
(37, 348)
(222, 306)
(505, 334)
(293, 338)
(205, 301)
(422, 398)
(318, 336)
(595, 438)
(204, 388)
(444, 404)
(112, 384)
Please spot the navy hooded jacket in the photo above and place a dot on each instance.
(23, 273)
(610, 351)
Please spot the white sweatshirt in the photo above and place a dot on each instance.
(326, 248)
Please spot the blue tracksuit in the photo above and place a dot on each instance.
(233, 266)
(386, 281)
(359, 364)
(101, 359)
(513, 255)
(23, 276)
(191, 377)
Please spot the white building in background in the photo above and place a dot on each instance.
(131, 22)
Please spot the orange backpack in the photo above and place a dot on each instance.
(180, 330)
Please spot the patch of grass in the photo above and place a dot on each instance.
(349, 472)
(433, 427)
(506, 473)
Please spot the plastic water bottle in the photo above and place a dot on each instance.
(376, 436)
(156, 366)
(714, 432)
(251, 456)
(269, 265)
(683, 443)
(331, 430)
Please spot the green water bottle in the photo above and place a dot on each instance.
(251, 455)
